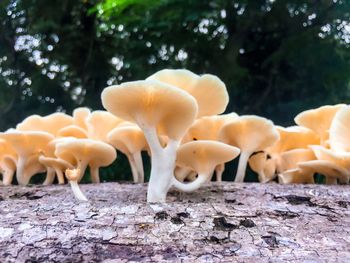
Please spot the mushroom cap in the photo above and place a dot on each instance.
(72, 131)
(203, 156)
(27, 142)
(80, 115)
(289, 160)
(319, 120)
(249, 133)
(339, 132)
(296, 176)
(94, 153)
(265, 167)
(339, 158)
(208, 127)
(293, 137)
(51, 123)
(128, 139)
(326, 168)
(100, 123)
(55, 163)
(152, 104)
(209, 91)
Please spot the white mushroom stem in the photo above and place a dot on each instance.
(82, 165)
(242, 166)
(192, 186)
(60, 176)
(163, 165)
(136, 164)
(76, 191)
(219, 170)
(95, 174)
(7, 176)
(22, 179)
(50, 176)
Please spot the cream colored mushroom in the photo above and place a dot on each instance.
(57, 165)
(319, 120)
(8, 160)
(28, 145)
(208, 90)
(100, 123)
(330, 170)
(339, 158)
(265, 167)
(296, 176)
(51, 123)
(158, 109)
(83, 152)
(250, 134)
(130, 140)
(202, 156)
(289, 160)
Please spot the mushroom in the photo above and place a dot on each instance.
(100, 123)
(158, 109)
(203, 156)
(73, 178)
(130, 140)
(51, 123)
(330, 170)
(83, 152)
(208, 90)
(264, 166)
(8, 160)
(56, 165)
(207, 128)
(296, 176)
(289, 160)
(251, 134)
(319, 120)
(339, 132)
(28, 146)
(80, 116)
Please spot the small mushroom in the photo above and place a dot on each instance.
(57, 165)
(130, 140)
(330, 170)
(83, 152)
(28, 145)
(202, 156)
(296, 176)
(51, 123)
(319, 120)
(251, 134)
(289, 160)
(73, 178)
(265, 167)
(8, 160)
(100, 123)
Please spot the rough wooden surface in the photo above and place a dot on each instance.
(220, 223)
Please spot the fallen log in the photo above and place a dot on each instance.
(221, 222)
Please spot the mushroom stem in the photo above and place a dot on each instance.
(95, 175)
(192, 186)
(7, 176)
(139, 166)
(50, 176)
(76, 191)
(219, 170)
(163, 165)
(133, 167)
(82, 167)
(60, 176)
(20, 172)
(242, 166)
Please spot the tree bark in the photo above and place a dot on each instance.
(220, 222)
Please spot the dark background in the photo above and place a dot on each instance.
(277, 58)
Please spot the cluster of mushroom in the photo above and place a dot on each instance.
(318, 145)
(176, 116)
(59, 145)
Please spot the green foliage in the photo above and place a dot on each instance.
(277, 58)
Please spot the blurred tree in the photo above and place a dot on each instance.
(276, 57)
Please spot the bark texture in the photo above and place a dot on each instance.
(219, 223)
